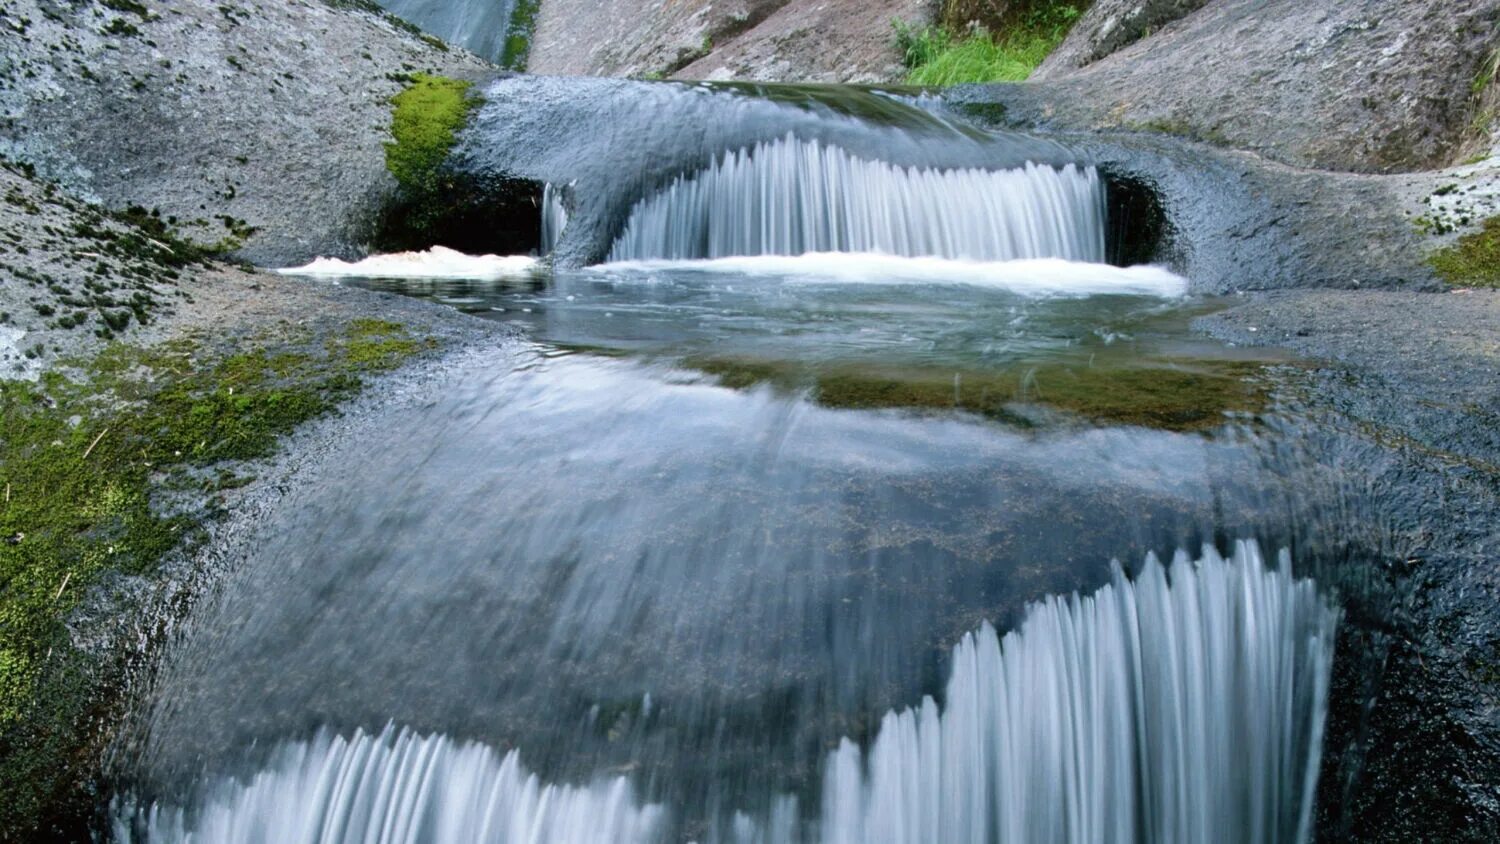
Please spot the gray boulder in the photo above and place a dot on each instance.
(268, 115)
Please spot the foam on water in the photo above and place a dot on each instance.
(1034, 277)
(1183, 705)
(791, 196)
(437, 262)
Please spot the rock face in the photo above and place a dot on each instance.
(269, 114)
(1359, 85)
(783, 40)
(1109, 25)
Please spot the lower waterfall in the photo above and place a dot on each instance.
(791, 197)
(1152, 710)
(1186, 704)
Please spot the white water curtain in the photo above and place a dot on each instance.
(791, 197)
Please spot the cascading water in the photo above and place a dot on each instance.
(791, 197)
(395, 787)
(742, 497)
(480, 26)
(554, 218)
(1144, 712)
(1179, 706)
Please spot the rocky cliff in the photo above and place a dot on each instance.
(764, 40)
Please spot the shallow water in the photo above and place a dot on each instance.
(1005, 340)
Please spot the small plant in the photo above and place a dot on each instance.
(518, 35)
(938, 57)
(119, 26)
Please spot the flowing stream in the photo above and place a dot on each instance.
(828, 509)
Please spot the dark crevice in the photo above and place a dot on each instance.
(1136, 229)
(472, 214)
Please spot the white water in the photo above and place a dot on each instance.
(1145, 712)
(790, 196)
(1181, 708)
(554, 218)
(399, 786)
(437, 262)
(1031, 277)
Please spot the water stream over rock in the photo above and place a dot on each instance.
(791, 522)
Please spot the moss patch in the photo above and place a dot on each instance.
(86, 464)
(1474, 261)
(425, 123)
(1176, 396)
(518, 35)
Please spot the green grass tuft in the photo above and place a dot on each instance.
(427, 118)
(1474, 261)
(938, 57)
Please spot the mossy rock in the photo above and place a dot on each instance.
(425, 122)
(1474, 261)
(1173, 395)
(82, 458)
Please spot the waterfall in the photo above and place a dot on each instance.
(480, 26)
(554, 218)
(790, 197)
(394, 787)
(1184, 705)
(1189, 710)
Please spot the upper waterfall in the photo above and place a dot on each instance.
(790, 197)
(480, 26)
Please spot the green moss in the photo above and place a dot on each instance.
(938, 56)
(120, 26)
(1474, 261)
(128, 6)
(1172, 396)
(83, 461)
(518, 35)
(427, 116)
